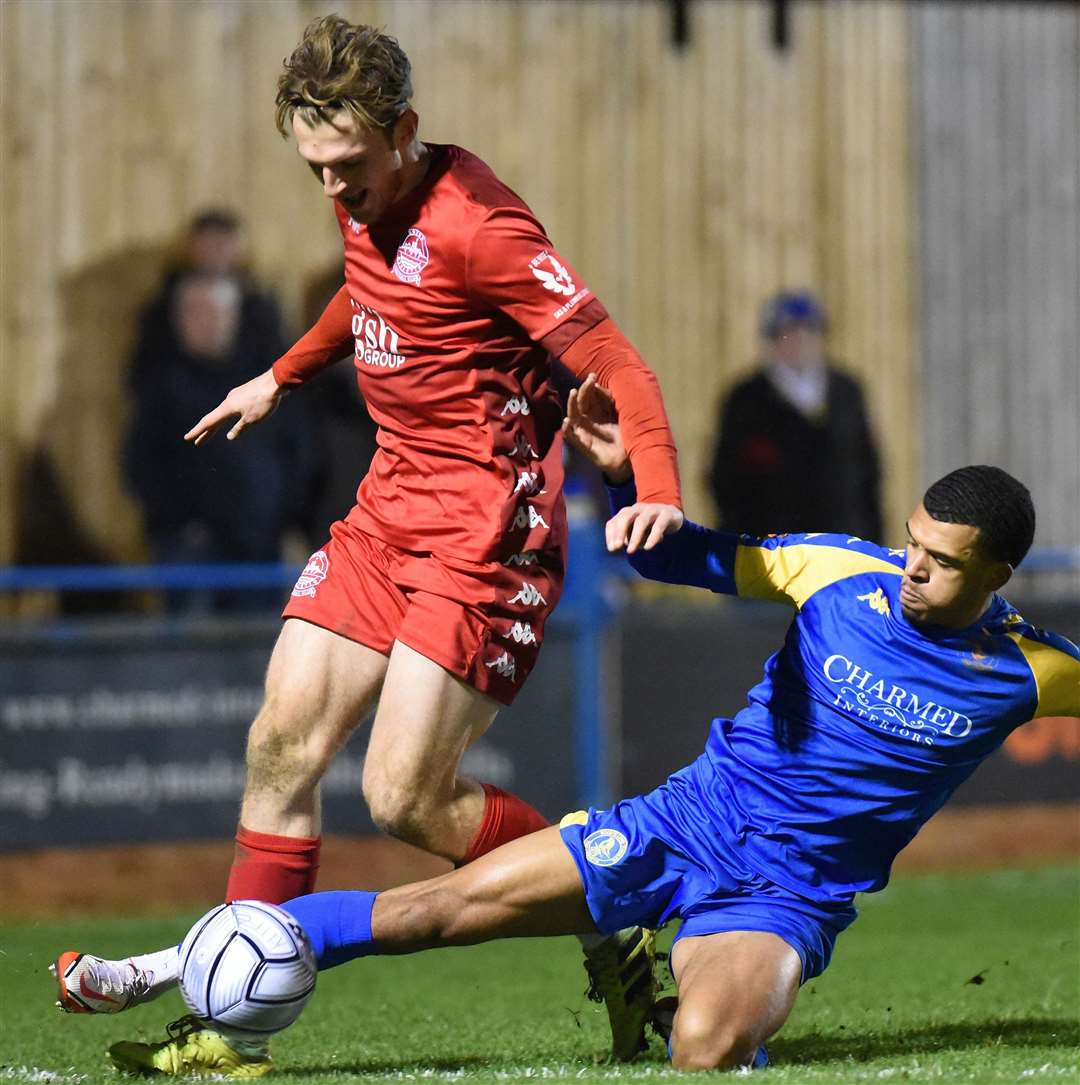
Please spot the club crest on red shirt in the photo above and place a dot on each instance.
(412, 257)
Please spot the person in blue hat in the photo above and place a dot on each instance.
(795, 448)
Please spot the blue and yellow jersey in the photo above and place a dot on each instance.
(863, 724)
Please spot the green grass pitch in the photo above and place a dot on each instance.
(970, 977)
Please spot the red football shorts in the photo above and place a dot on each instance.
(482, 621)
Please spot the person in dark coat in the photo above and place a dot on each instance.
(227, 504)
(795, 449)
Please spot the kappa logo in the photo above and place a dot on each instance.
(515, 405)
(522, 450)
(529, 481)
(412, 257)
(521, 633)
(527, 516)
(876, 601)
(318, 565)
(526, 557)
(552, 275)
(528, 596)
(504, 666)
(354, 225)
(605, 847)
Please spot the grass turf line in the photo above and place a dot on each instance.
(942, 978)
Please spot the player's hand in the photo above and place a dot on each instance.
(642, 526)
(248, 404)
(592, 427)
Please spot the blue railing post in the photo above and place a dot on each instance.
(586, 605)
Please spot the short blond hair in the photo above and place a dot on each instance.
(337, 66)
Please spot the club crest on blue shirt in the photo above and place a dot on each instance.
(605, 847)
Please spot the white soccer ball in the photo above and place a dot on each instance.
(247, 968)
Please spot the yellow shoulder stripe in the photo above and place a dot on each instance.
(794, 573)
(1057, 677)
(579, 817)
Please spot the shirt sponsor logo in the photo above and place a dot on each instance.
(564, 309)
(377, 343)
(528, 595)
(891, 707)
(504, 666)
(553, 276)
(876, 601)
(605, 847)
(318, 565)
(521, 633)
(412, 257)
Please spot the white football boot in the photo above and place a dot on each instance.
(88, 984)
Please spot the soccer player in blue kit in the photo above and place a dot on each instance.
(901, 672)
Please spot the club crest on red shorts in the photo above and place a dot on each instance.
(313, 575)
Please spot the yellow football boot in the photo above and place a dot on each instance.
(192, 1049)
(621, 975)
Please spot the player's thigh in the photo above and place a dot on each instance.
(319, 683)
(528, 887)
(736, 989)
(426, 719)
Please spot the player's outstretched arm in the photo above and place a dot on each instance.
(329, 340)
(592, 427)
(248, 404)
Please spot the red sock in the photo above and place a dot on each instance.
(272, 868)
(506, 817)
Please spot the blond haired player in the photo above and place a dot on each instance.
(455, 302)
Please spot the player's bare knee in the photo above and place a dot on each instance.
(401, 813)
(700, 1042)
(405, 808)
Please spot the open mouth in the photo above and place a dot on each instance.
(355, 203)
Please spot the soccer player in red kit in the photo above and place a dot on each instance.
(431, 596)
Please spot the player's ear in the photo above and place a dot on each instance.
(1000, 574)
(405, 129)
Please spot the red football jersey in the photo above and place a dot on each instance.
(458, 300)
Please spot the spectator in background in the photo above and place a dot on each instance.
(215, 244)
(230, 504)
(795, 450)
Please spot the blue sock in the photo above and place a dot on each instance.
(338, 924)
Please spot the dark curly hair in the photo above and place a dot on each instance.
(992, 501)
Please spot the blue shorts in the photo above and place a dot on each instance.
(657, 857)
